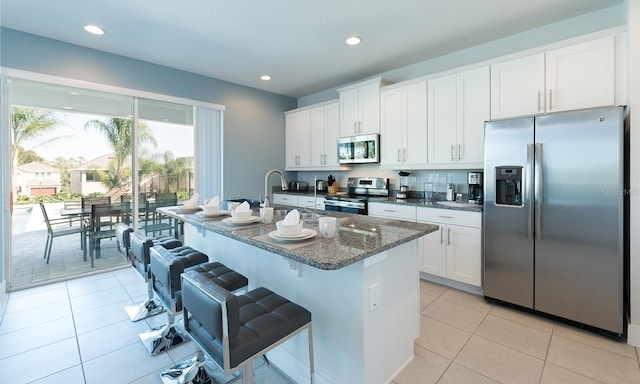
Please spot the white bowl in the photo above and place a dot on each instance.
(289, 229)
(211, 210)
(240, 216)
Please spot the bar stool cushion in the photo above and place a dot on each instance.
(219, 274)
(167, 242)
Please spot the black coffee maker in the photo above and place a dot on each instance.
(474, 179)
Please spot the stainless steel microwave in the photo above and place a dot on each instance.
(359, 149)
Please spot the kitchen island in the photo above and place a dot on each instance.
(362, 288)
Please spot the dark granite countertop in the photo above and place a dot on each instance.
(359, 236)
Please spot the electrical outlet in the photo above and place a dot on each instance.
(374, 297)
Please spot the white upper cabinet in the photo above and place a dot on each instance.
(360, 108)
(581, 75)
(572, 77)
(404, 126)
(325, 129)
(458, 106)
(297, 139)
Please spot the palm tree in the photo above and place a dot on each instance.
(119, 134)
(27, 125)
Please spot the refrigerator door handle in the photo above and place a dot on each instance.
(527, 190)
(538, 190)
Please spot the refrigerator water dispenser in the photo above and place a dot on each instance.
(509, 186)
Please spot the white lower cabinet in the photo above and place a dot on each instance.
(392, 211)
(455, 250)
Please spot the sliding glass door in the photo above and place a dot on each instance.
(71, 144)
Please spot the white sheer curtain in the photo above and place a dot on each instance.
(208, 124)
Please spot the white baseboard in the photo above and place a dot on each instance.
(633, 334)
(452, 283)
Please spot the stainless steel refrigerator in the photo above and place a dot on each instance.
(554, 215)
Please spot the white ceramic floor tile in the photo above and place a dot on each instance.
(457, 374)
(85, 287)
(523, 317)
(41, 362)
(426, 367)
(514, 335)
(441, 338)
(73, 375)
(595, 340)
(593, 362)
(98, 299)
(33, 316)
(431, 288)
(132, 363)
(37, 298)
(467, 299)
(553, 374)
(97, 318)
(425, 300)
(110, 338)
(456, 315)
(37, 336)
(500, 363)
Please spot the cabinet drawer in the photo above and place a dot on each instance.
(284, 199)
(393, 211)
(450, 216)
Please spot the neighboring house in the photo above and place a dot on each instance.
(85, 177)
(37, 179)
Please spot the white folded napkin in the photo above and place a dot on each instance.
(192, 202)
(292, 217)
(214, 202)
(244, 207)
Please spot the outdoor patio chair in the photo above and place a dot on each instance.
(54, 230)
(101, 224)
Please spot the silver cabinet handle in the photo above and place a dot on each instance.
(325, 159)
(550, 99)
(404, 152)
(539, 103)
(459, 152)
(398, 155)
(452, 155)
(389, 210)
(538, 190)
(321, 162)
(446, 217)
(448, 236)
(441, 235)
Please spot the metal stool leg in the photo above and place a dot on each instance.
(164, 337)
(149, 307)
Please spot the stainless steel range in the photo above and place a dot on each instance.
(359, 190)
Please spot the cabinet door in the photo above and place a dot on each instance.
(581, 75)
(517, 87)
(391, 130)
(434, 253)
(414, 113)
(349, 118)
(473, 110)
(464, 256)
(369, 108)
(331, 134)
(442, 120)
(318, 136)
(297, 138)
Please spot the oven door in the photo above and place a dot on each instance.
(338, 206)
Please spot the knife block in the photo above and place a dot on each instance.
(333, 188)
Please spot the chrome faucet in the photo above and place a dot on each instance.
(283, 181)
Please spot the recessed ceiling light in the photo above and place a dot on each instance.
(67, 108)
(353, 40)
(94, 29)
(265, 77)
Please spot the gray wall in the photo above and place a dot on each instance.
(254, 119)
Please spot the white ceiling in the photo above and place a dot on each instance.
(300, 43)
